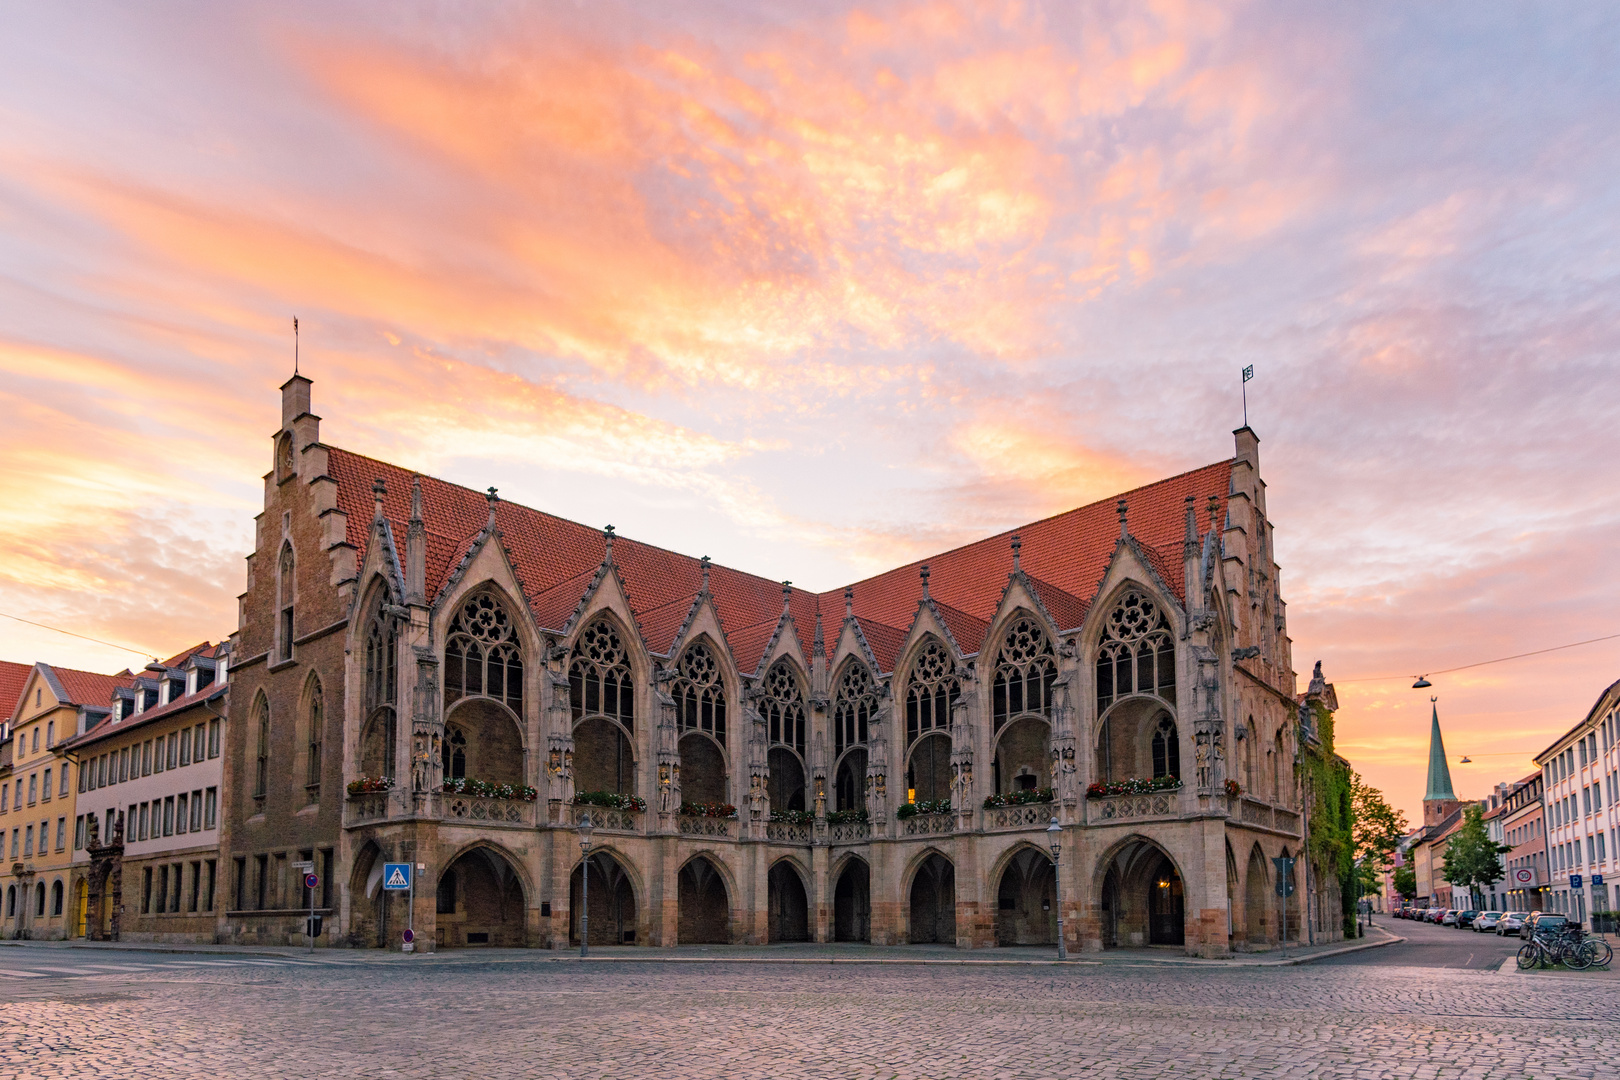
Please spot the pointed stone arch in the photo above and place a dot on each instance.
(1025, 884)
(1257, 923)
(615, 896)
(702, 722)
(1141, 891)
(703, 901)
(853, 711)
(309, 740)
(784, 708)
(787, 901)
(369, 908)
(481, 898)
(931, 899)
(852, 899)
(932, 686)
(602, 695)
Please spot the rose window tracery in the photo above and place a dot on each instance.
(1137, 654)
(700, 699)
(599, 682)
(482, 655)
(930, 692)
(1026, 669)
(783, 708)
(853, 710)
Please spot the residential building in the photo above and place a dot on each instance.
(1524, 827)
(430, 675)
(146, 831)
(37, 795)
(1581, 783)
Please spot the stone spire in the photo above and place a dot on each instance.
(849, 602)
(1439, 772)
(923, 573)
(787, 595)
(1017, 549)
(1124, 525)
(703, 565)
(494, 499)
(379, 491)
(416, 548)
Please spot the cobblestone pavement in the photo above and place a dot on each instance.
(514, 1015)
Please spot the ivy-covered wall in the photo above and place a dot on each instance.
(1327, 780)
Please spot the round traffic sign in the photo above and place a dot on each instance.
(409, 935)
(310, 881)
(1524, 875)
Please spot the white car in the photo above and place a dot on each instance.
(1485, 922)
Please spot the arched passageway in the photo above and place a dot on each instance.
(1142, 898)
(1254, 900)
(933, 902)
(703, 908)
(612, 902)
(1025, 914)
(789, 908)
(852, 903)
(479, 901)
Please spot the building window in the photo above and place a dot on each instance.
(50, 734)
(261, 767)
(482, 655)
(61, 833)
(45, 787)
(146, 891)
(146, 758)
(196, 811)
(239, 901)
(208, 895)
(180, 813)
(56, 899)
(162, 904)
(174, 750)
(317, 725)
(210, 807)
(930, 692)
(1026, 670)
(168, 816)
(145, 807)
(599, 681)
(198, 742)
(700, 699)
(193, 898)
(286, 588)
(33, 788)
(184, 738)
(78, 833)
(62, 792)
(213, 739)
(857, 701)
(783, 708)
(28, 842)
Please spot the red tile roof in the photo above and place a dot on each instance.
(110, 726)
(556, 560)
(88, 687)
(12, 677)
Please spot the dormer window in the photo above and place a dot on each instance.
(177, 688)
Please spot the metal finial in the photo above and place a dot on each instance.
(1124, 527)
(1017, 546)
(923, 573)
(416, 498)
(787, 593)
(607, 536)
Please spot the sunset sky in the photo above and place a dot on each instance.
(816, 289)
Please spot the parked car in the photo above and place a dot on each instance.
(1450, 917)
(1465, 919)
(1511, 923)
(1543, 920)
(1486, 921)
(1436, 914)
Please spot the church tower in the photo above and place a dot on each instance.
(1439, 800)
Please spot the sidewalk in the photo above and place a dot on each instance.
(843, 953)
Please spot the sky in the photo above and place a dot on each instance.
(820, 288)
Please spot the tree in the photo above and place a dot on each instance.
(1473, 859)
(1377, 829)
(1406, 882)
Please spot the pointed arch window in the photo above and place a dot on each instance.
(261, 763)
(931, 691)
(482, 655)
(783, 707)
(599, 681)
(854, 708)
(316, 719)
(455, 761)
(1166, 748)
(1137, 654)
(286, 594)
(1026, 669)
(700, 699)
(381, 690)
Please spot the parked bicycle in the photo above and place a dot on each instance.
(1567, 945)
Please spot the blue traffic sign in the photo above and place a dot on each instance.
(1574, 881)
(1597, 881)
(396, 875)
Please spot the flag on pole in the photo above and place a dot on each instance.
(1248, 373)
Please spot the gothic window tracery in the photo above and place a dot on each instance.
(700, 699)
(482, 655)
(1166, 748)
(381, 690)
(312, 750)
(599, 682)
(455, 762)
(1026, 669)
(286, 593)
(853, 710)
(930, 692)
(1137, 654)
(783, 707)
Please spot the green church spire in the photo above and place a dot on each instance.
(1439, 772)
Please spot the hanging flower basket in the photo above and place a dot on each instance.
(1020, 798)
(1233, 789)
(1134, 786)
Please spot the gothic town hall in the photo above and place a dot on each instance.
(430, 675)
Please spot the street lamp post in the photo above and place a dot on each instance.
(585, 828)
(1054, 839)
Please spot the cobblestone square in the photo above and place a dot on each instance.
(526, 1014)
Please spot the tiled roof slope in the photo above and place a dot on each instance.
(110, 725)
(88, 687)
(557, 559)
(12, 677)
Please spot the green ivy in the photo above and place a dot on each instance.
(1331, 845)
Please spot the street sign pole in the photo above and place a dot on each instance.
(1285, 889)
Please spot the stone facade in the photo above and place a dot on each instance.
(483, 669)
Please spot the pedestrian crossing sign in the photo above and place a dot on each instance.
(396, 875)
